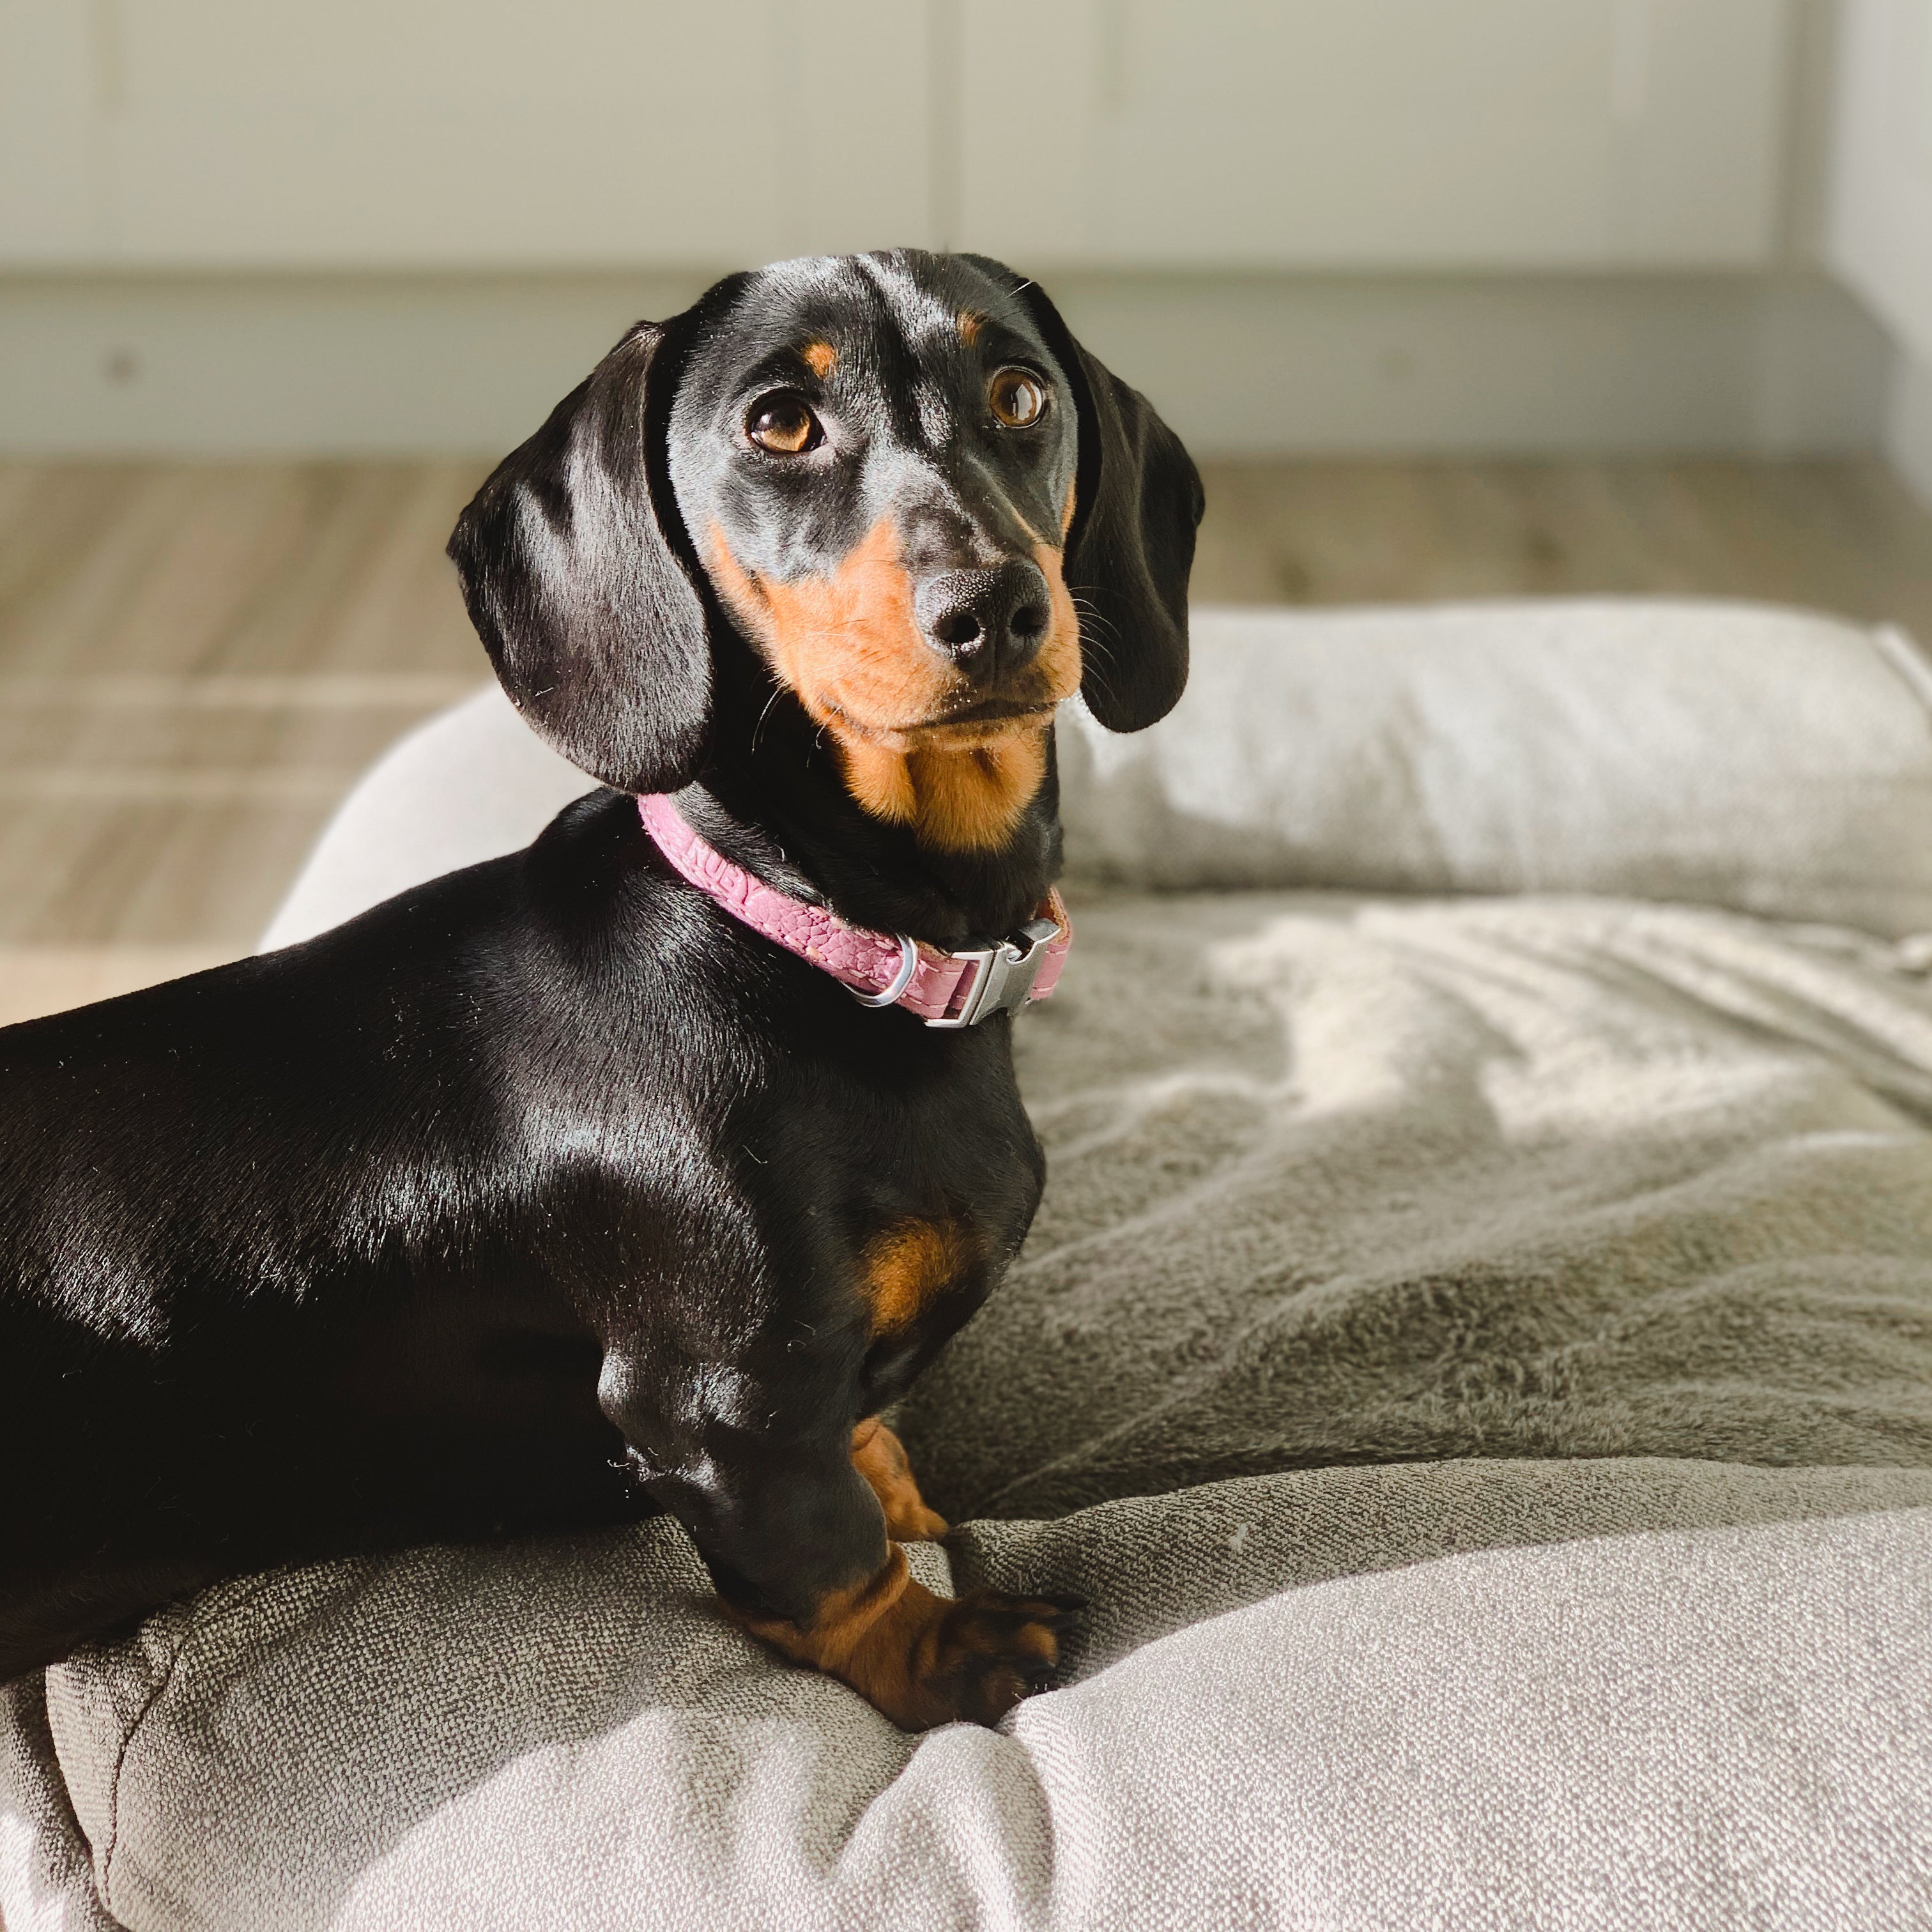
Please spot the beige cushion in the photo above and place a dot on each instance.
(1681, 1728)
(1465, 1188)
(1773, 761)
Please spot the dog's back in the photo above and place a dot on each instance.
(266, 1287)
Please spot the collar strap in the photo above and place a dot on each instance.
(881, 969)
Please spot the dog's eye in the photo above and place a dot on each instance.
(1019, 397)
(783, 425)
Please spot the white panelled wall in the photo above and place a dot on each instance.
(1315, 223)
(1268, 134)
(1878, 223)
(1385, 134)
(418, 134)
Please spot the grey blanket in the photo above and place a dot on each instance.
(1476, 1358)
(1339, 1182)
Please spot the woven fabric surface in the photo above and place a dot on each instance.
(1338, 1182)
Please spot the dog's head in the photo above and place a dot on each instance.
(933, 515)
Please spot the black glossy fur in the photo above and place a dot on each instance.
(536, 1196)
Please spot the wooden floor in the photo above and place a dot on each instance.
(196, 660)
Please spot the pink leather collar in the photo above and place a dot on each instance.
(883, 969)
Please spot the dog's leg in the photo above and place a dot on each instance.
(880, 1456)
(796, 1540)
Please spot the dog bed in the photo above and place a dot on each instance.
(1475, 1355)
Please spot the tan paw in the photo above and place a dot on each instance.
(924, 1660)
(990, 1650)
(880, 1458)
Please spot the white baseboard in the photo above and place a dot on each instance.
(292, 365)
(1501, 366)
(342, 365)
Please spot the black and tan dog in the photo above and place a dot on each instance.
(550, 1192)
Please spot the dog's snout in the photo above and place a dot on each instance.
(989, 622)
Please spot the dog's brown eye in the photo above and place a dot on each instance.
(783, 424)
(1019, 398)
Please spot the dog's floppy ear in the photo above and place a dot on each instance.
(569, 559)
(1137, 502)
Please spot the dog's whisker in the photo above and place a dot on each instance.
(758, 728)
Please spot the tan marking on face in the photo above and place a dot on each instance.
(911, 1263)
(880, 1456)
(972, 324)
(850, 647)
(1066, 512)
(967, 801)
(820, 357)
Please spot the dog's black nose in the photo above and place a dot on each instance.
(989, 622)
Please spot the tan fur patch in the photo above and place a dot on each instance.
(964, 801)
(908, 1264)
(848, 644)
(971, 325)
(879, 1456)
(879, 1637)
(921, 1659)
(850, 647)
(820, 357)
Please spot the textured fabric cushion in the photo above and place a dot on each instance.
(1705, 1727)
(473, 783)
(1773, 761)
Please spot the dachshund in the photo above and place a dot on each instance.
(579, 1185)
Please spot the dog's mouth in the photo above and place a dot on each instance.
(972, 726)
(988, 711)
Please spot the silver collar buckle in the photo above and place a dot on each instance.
(1005, 975)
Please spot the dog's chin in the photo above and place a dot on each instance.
(960, 784)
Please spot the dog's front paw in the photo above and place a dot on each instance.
(990, 1650)
(925, 1660)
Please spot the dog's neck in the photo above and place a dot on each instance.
(775, 797)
